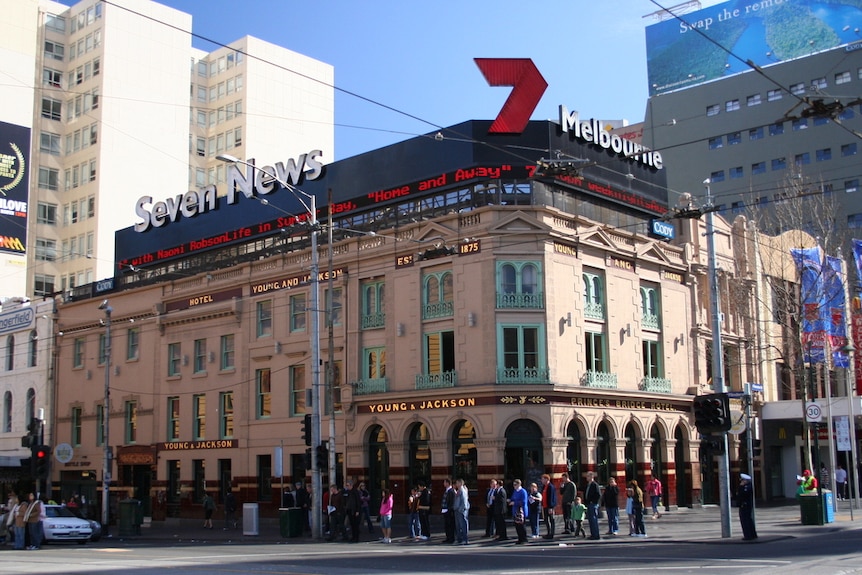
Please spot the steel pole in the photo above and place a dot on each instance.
(106, 464)
(316, 479)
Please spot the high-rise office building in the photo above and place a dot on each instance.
(121, 107)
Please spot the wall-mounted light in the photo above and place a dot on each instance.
(116, 370)
(399, 329)
(569, 319)
(471, 319)
(88, 374)
(277, 348)
(680, 341)
(628, 330)
(211, 356)
(185, 360)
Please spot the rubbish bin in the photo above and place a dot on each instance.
(811, 509)
(291, 521)
(250, 519)
(828, 506)
(131, 516)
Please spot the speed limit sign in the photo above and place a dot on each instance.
(813, 413)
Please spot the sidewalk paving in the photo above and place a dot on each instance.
(701, 525)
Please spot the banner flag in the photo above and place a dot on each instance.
(809, 264)
(833, 277)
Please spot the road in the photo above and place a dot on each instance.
(680, 543)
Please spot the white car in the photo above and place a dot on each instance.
(61, 525)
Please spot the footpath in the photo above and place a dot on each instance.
(702, 525)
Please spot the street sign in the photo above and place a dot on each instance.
(842, 432)
(756, 387)
(813, 412)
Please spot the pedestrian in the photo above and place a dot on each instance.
(229, 510)
(549, 504)
(489, 508)
(593, 498)
(21, 524)
(303, 501)
(209, 507)
(385, 514)
(745, 500)
(461, 508)
(653, 491)
(841, 482)
(12, 507)
(611, 501)
(352, 509)
(520, 511)
(568, 491)
(34, 516)
(501, 509)
(424, 509)
(413, 508)
(807, 483)
(579, 511)
(630, 511)
(534, 500)
(824, 476)
(365, 498)
(638, 509)
(446, 510)
(336, 513)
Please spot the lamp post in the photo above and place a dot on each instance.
(106, 464)
(851, 398)
(311, 209)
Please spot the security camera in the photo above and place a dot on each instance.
(707, 181)
(104, 305)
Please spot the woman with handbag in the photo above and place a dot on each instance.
(520, 510)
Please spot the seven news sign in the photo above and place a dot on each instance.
(14, 187)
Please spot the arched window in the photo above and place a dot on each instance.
(656, 461)
(10, 353)
(574, 461)
(378, 463)
(632, 454)
(594, 299)
(33, 347)
(438, 296)
(31, 404)
(464, 454)
(7, 411)
(603, 454)
(420, 455)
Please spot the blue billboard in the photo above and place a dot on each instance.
(14, 187)
(762, 31)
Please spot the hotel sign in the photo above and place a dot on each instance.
(198, 445)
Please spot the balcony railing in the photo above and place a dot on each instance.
(520, 301)
(651, 321)
(599, 379)
(436, 380)
(528, 375)
(656, 384)
(594, 311)
(373, 320)
(369, 386)
(438, 309)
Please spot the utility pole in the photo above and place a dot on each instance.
(717, 362)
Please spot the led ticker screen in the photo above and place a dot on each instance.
(391, 176)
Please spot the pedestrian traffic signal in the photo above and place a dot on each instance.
(322, 456)
(307, 459)
(306, 429)
(712, 413)
(40, 458)
(756, 447)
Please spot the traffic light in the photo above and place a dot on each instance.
(756, 447)
(40, 457)
(712, 413)
(306, 429)
(307, 459)
(322, 456)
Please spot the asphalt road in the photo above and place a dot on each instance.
(682, 542)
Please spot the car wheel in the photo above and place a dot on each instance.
(81, 542)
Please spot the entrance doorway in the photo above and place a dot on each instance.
(524, 459)
(378, 464)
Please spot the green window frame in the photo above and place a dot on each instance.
(131, 421)
(374, 363)
(298, 314)
(439, 352)
(227, 351)
(174, 359)
(173, 410)
(650, 308)
(335, 305)
(373, 313)
(264, 318)
(226, 415)
(522, 347)
(298, 386)
(199, 416)
(133, 340)
(76, 426)
(652, 359)
(595, 351)
(263, 392)
(519, 285)
(78, 353)
(594, 295)
(103, 349)
(438, 295)
(200, 349)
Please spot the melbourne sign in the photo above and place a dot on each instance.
(592, 132)
(256, 182)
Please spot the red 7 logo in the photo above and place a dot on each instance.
(527, 83)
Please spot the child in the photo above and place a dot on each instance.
(534, 499)
(413, 507)
(630, 510)
(578, 512)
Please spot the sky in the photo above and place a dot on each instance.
(405, 67)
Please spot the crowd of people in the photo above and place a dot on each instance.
(22, 520)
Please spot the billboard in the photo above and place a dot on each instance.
(14, 187)
(762, 31)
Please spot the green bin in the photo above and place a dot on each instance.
(130, 517)
(290, 521)
(811, 509)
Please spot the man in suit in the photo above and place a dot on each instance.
(568, 491)
(549, 504)
(489, 508)
(501, 506)
(446, 503)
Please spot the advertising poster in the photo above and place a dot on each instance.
(14, 187)
(693, 48)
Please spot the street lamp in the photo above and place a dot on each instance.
(851, 398)
(311, 208)
(106, 464)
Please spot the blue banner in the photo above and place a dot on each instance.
(809, 264)
(833, 277)
(857, 257)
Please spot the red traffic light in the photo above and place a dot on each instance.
(41, 454)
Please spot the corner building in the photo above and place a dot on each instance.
(481, 320)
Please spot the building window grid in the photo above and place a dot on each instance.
(75, 436)
(298, 313)
(131, 421)
(297, 390)
(264, 318)
(199, 416)
(174, 359)
(200, 350)
(173, 419)
(227, 352)
(226, 413)
(263, 393)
